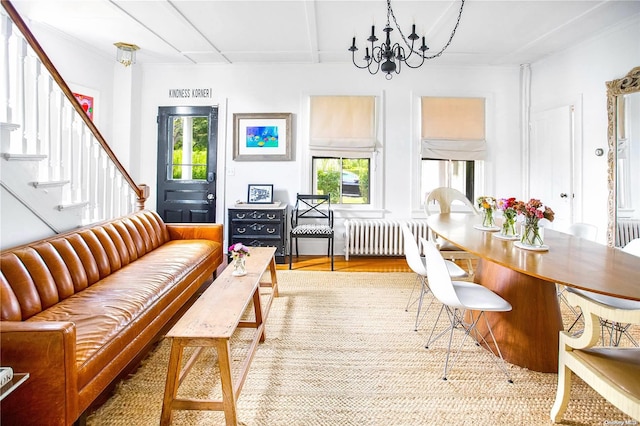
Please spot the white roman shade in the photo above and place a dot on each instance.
(343, 123)
(453, 128)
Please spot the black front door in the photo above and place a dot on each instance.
(187, 147)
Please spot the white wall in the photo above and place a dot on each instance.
(114, 87)
(18, 225)
(581, 73)
(578, 73)
(285, 88)
(81, 66)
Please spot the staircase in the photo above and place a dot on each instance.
(53, 159)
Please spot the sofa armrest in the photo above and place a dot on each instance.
(47, 351)
(196, 231)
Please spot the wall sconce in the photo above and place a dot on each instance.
(126, 53)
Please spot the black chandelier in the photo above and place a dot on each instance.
(389, 57)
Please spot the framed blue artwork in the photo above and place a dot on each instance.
(262, 137)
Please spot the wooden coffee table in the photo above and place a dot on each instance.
(210, 322)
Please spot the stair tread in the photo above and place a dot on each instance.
(10, 156)
(49, 183)
(72, 205)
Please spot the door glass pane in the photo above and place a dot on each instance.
(189, 142)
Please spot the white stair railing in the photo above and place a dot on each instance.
(42, 121)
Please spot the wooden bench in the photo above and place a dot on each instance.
(211, 322)
(613, 372)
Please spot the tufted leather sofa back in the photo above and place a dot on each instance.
(36, 276)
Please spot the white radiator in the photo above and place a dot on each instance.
(379, 237)
(628, 229)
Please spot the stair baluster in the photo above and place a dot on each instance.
(67, 165)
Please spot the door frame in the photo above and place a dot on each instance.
(577, 149)
(212, 153)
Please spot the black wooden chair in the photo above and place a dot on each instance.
(311, 217)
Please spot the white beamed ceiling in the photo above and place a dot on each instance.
(510, 32)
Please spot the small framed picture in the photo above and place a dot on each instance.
(260, 194)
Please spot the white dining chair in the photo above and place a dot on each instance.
(417, 264)
(459, 298)
(633, 247)
(583, 230)
(445, 197)
(616, 330)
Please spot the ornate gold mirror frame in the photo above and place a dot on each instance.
(629, 84)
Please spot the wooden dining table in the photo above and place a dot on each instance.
(528, 335)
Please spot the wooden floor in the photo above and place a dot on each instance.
(354, 264)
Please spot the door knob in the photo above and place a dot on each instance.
(563, 195)
(210, 196)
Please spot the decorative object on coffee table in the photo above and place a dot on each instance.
(239, 253)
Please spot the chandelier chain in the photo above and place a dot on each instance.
(453, 33)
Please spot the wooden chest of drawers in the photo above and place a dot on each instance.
(260, 227)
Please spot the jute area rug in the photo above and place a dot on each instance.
(341, 350)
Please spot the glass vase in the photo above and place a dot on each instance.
(532, 234)
(239, 266)
(508, 227)
(487, 218)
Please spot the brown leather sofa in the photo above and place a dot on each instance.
(77, 308)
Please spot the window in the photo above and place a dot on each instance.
(342, 145)
(346, 179)
(453, 138)
(455, 174)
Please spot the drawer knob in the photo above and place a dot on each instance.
(242, 230)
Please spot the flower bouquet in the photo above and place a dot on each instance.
(509, 213)
(533, 211)
(487, 205)
(238, 253)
